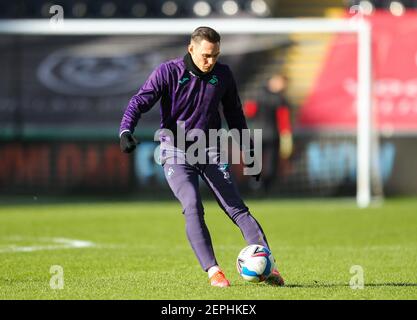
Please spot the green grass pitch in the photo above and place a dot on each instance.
(139, 250)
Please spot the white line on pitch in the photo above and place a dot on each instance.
(58, 244)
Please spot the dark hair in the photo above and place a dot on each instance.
(205, 33)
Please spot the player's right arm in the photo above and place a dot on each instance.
(150, 92)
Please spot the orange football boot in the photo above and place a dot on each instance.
(219, 280)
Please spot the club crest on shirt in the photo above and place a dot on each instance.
(214, 81)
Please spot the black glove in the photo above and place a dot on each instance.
(127, 142)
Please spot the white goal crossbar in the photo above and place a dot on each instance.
(360, 27)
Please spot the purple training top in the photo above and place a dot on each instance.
(189, 96)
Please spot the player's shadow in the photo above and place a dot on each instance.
(332, 285)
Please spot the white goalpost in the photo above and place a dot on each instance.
(360, 27)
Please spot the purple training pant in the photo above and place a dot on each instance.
(183, 181)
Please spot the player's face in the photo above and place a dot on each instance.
(204, 54)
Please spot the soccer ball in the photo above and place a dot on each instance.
(255, 263)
